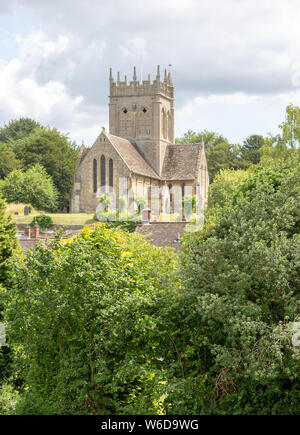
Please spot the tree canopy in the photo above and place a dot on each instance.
(18, 129)
(25, 143)
(33, 186)
(105, 323)
(8, 248)
(87, 323)
(241, 275)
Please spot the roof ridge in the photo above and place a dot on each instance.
(136, 165)
(189, 143)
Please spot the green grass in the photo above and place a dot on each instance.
(58, 218)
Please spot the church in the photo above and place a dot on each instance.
(138, 157)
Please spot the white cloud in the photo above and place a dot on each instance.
(235, 63)
(49, 103)
(134, 47)
(249, 114)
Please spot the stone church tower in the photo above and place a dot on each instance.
(144, 112)
(140, 149)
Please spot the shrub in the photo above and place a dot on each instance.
(8, 242)
(88, 329)
(8, 399)
(141, 202)
(34, 186)
(8, 247)
(224, 186)
(189, 205)
(126, 225)
(241, 278)
(44, 221)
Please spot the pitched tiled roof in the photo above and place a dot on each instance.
(131, 156)
(181, 161)
(163, 233)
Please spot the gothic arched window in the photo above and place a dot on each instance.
(102, 173)
(111, 174)
(170, 192)
(95, 175)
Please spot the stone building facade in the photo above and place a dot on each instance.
(138, 156)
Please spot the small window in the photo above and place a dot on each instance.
(125, 111)
(144, 110)
(183, 189)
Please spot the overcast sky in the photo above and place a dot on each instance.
(235, 63)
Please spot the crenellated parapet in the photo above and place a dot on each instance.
(123, 88)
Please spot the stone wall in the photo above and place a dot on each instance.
(84, 199)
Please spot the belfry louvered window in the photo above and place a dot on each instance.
(102, 173)
(111, 174)
(95, 175)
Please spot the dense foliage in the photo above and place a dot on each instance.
(33, 186)
(8, 161)
(107, 327)
(24, 143)
(107, 323)
(18, 129)
(8, 242)
(43, 221)
(8, 247)
(225, 184)
(242, 280)
(84, 310)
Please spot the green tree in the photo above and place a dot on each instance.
(291, 127)
(8, 247)
(43, 221)
(241, 277)
(18, 129)
(250, 150)
(286, 144)
(222, 156)
(35, 144)
(52, 150)
(83, 312)
(224, 186)
(33, 187)
(8, 241)
(8, 160)
(105, 201)
(141, 202)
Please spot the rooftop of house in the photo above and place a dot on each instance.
(163, 233)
